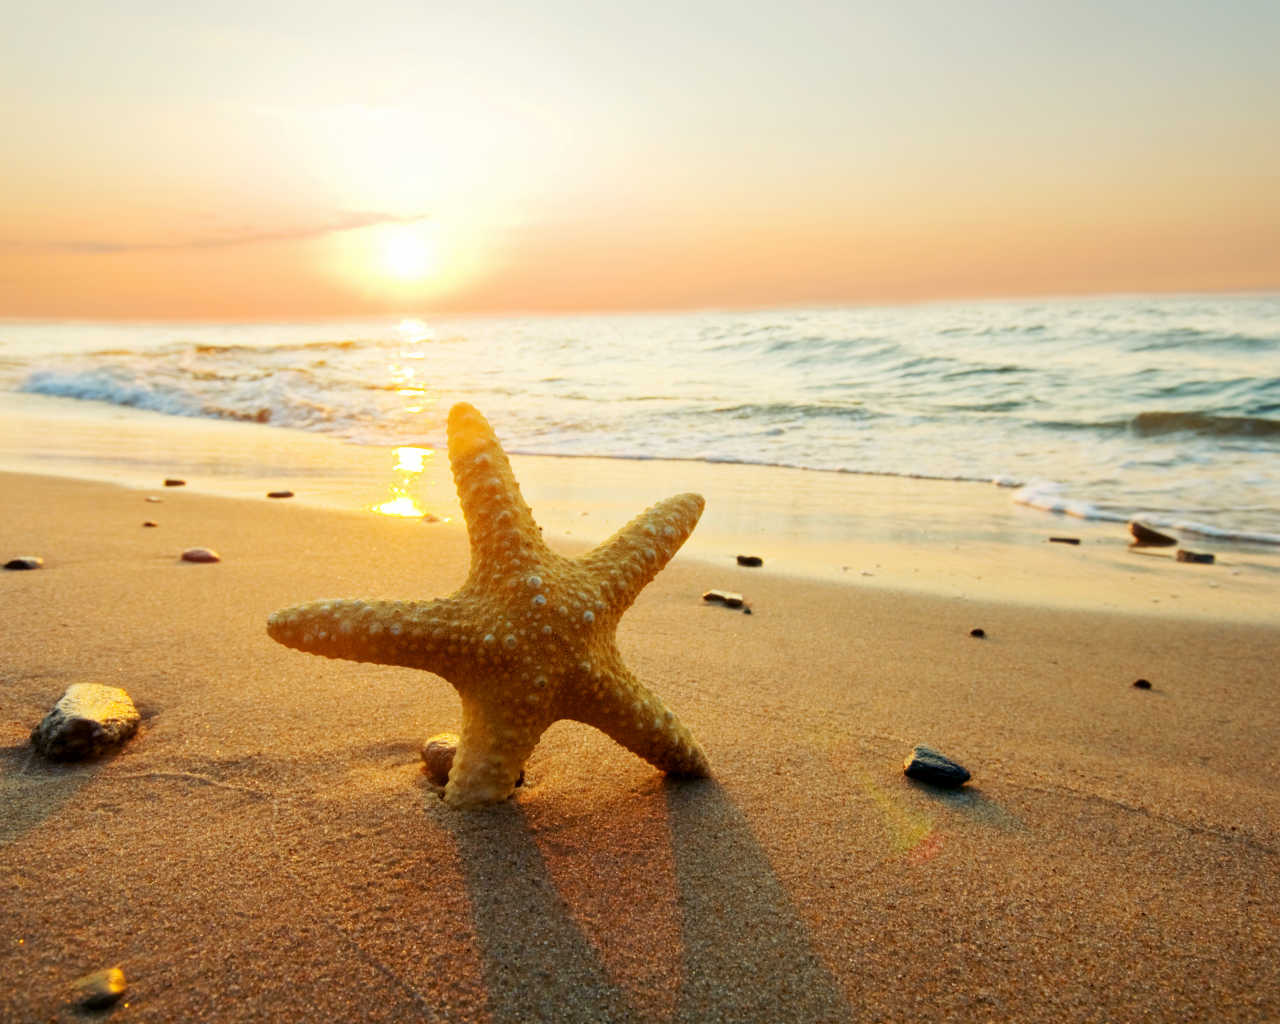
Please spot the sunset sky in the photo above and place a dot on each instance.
(270, 159)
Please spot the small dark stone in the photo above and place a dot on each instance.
(173, 482)
(752, 560)
(1145, 537)
(746, 611)
(928, 765)
(24, 562)
(279, 494)
(88, 720)
(1142, 684)
(979, 633)
(727, 597)
(201, 555)
(150, 523)
(1196, 557)
(1064, 540)
(100, 989)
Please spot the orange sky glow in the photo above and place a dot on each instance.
(278, 159)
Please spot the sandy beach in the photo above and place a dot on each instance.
(268, 847)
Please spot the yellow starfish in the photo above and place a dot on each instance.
(529, 637)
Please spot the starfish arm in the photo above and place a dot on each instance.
(495, 742)
(632, 557)
(627, 711)
(500, 524)
(417, 634)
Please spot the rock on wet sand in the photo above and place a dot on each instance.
(100, 989)
(88, 720)
(750, 560)
(24, 562)
(726, 597)
(201, 555)
(927, 765)
(1145, 537)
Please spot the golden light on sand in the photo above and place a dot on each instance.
(401, 506)
(413, 460)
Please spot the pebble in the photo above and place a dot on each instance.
(87, 720)
(201, 555)
(437, 757)
(1145, 537)
(751, 560)
(979, 633)
(100, 989)
(150, 522)
(174, 482)
(1194, 556)
(746, 611)
(1142, 684)
(279, 494)
(927, 765)
(153, 499)
(1064, 540)
(24, 562)
(728, 597)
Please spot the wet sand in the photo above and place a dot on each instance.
(269, 848)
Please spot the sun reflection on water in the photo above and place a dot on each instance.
(404, 501)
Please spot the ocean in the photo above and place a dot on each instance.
(1165, 409)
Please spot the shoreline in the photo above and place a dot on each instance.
(958, 539)
(267, 847)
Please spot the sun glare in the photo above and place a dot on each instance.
(409, 254)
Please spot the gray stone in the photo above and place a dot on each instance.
(1195, 557)
(927, 765)
(201, 555)
(100, 989)
(24, 562)
(87, 721)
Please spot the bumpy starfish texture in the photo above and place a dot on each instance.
(529, 638)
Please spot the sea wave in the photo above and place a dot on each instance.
(1047, 495)
(1152, 424)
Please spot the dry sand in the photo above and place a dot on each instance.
(268, 848)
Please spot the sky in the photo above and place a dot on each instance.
(273, 159)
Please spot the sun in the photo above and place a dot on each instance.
(408, 254)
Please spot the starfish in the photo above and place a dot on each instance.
(529, 638)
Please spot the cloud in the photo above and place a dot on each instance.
(225, 240)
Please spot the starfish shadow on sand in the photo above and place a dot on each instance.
(744, 953)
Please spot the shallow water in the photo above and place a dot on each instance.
(1164, 408)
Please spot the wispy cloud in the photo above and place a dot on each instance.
(223, 239)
